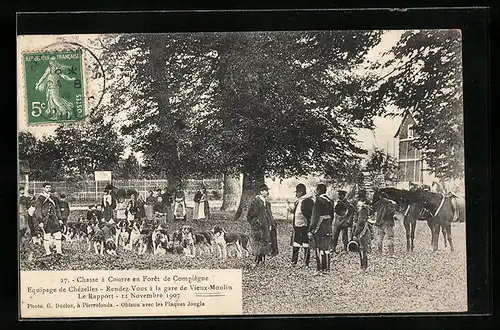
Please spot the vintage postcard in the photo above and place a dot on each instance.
(241, 173)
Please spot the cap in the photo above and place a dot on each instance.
(300, 187)
(362, 194)
(263, 187)
(341, 192)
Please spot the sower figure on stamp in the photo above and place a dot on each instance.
(263, 226)
(361, 231)
(385, 211)
(344, 214)
(320, 230)
(301, 211)
(48, 214)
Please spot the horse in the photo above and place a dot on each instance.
(412, 211)
(442, 213)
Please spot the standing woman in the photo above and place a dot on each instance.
(180, 204)
(261, 223)
(197, 199)
(204, 209)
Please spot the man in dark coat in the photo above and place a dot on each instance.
(263, 226)
(63, 204)
(135, 208)
(151, 199)
(48, 214)
(343, 223)
(320, 230)
(30, 204)
(361, 232)
(301, 211)
(108, 203)
(385, 211)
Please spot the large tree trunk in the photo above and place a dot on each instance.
(251, 183)
(232, 193)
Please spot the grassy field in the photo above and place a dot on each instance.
(421, 281)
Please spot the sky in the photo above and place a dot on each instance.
(381, 136)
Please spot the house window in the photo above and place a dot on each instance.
(410, 132)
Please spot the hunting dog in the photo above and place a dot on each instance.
(223, 239)
(175, 245)
(188, 241)
(204, 240)
(160, 240)
(123, 234)
(95, 238)
(134, 237)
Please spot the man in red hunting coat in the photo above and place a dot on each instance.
(263, 226)
(320, 230)
(48, 214)
(301, 211)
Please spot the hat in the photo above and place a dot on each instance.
(263, 187)
(362, 194)
(341, 192)
(353, 246)
(300, 187)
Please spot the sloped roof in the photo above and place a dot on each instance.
(407, 113)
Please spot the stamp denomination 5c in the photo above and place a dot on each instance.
(54, 86)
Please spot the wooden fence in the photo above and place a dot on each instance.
(90, 192)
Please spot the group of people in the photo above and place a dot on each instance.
(48, 214)
(317, 220)
(317, 223)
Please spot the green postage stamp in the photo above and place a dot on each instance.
(54, 86)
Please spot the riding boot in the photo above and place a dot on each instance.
(46, 243)
(323, 262)
(328, 261)
(380, 247)
(391, 249)
(318, 261)
(58, 242)
(295, 255)
(307, 256)
(364, 261)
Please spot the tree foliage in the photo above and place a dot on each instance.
(88, 146)
(76, 150)
(42, 156)
(128, 169)
(427, 80)
(280, 104)
(379, 162)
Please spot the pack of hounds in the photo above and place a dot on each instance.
(142, 238)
